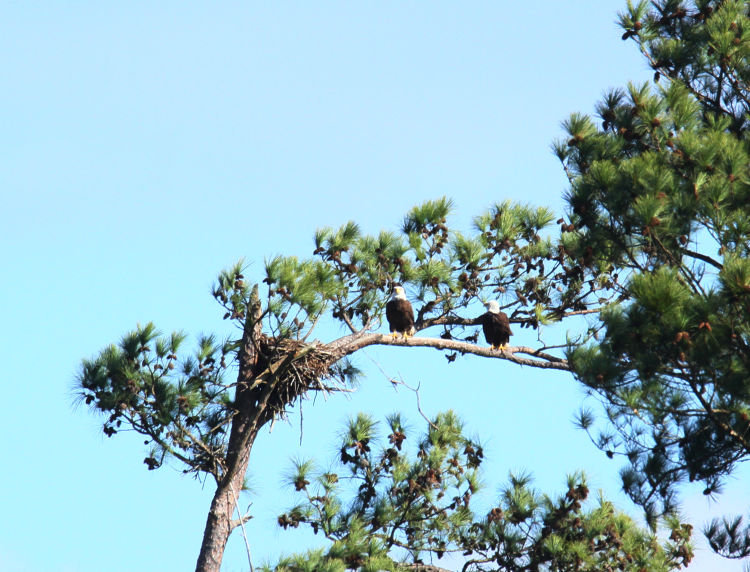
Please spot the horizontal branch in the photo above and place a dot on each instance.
(240, 521)
(351, 344)
(703, 257)
(425, 568)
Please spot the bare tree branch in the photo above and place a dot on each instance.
(351, 344)
(425, 568)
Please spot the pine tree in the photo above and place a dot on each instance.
(660, 197)
(654, 247)
(189, 410)
(392, 507)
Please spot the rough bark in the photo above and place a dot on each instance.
(219, 524)
(426, 568)
(247, 421)
(352, 343)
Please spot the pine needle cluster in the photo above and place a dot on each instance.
(181, 405)
(660, 189)
(395, 508)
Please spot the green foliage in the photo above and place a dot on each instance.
(662, 191)
(300, 289)
(184, 406)
(428, 217)
(180, 405)
(399, 508)
(232, 292)
(656, 237)
(729, 537)
(352, 274)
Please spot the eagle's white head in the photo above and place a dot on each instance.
(492, 307)
(398, 293)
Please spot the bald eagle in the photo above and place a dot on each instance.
(400, 314)
(495, 325)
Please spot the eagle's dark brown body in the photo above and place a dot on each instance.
(400, 315)
(496, 328)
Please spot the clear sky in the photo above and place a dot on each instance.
(144, 146)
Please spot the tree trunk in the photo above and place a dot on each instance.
(218, 527)
(220, 522)
(251, 413)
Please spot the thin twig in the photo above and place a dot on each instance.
(544, 360)
(396, 382)
(301, 417)
(419, 405)
(242, 525)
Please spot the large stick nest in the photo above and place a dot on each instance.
(294, 368)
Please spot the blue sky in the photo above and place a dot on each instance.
(145, 146)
